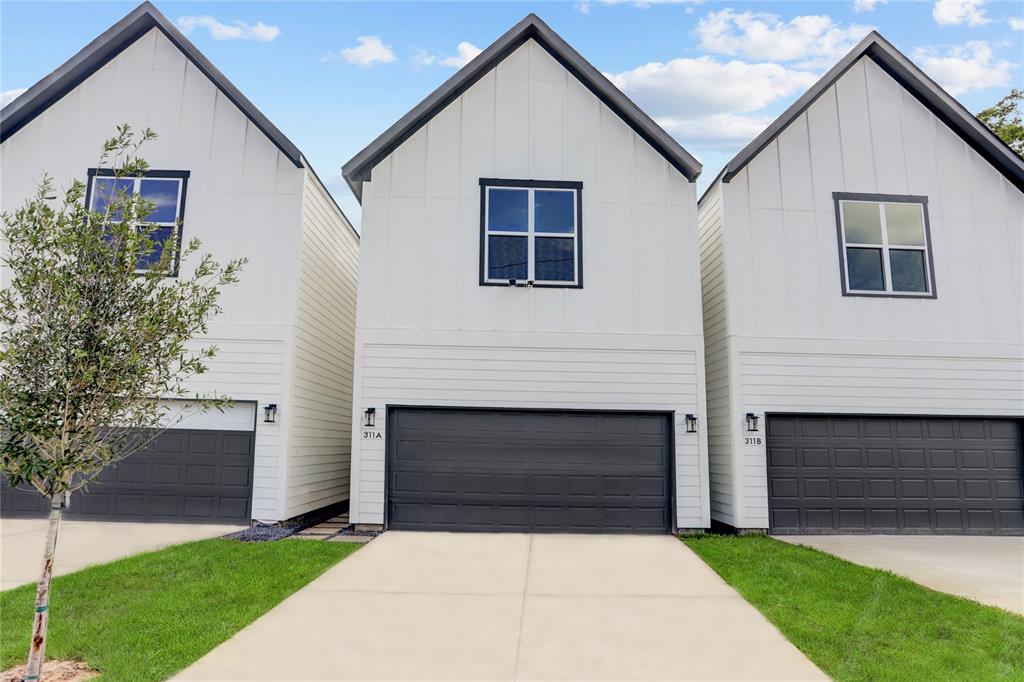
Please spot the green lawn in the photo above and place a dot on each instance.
(150, 615)
(859, 623)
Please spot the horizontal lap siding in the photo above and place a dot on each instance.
(320, 437)
(716, 357)
(543, 378)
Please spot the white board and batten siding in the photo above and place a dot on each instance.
(795, 344)
(245, 198)
(429, 334)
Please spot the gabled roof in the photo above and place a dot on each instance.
(918, 84)
(108, 45)
(359, 168)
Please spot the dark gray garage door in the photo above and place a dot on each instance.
(833, 474)
(511, 470)
(183, 476)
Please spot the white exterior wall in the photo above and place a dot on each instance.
(244, 198)
(717, 358)
(429, 334)
(797, 345)
(320, 437)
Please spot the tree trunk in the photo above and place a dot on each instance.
(37, 647)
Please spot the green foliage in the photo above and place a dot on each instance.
(1004, 119)
(86, 341)
(858, 623)
(150, 615)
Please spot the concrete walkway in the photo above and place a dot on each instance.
(446, 606)
(84, 543)
(986, 569)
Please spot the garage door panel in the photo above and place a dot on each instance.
(1008, 460)
(814, 457)
(1009, 489)
(522, 470)
(782, 457)
(880, 458)
(884, 519)
(848, 458)
(940, 475)
(783, 488)
(907, 458)
(882, 488)
(906, 429)
(817, 488)
(841, 428)
(1002, 431)
(973, 429)
(1010, 518)
(941, 458)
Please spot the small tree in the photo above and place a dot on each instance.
(1004, 119)
(88, 340)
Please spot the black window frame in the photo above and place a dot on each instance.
(838, 198)
(182, 175)
(486, 183)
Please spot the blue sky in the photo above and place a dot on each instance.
(333, 75)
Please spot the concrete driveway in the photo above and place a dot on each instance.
(986, 569)
(84, 543)
(447, 606)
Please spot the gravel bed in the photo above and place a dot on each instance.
(263, 533)
(361, 533)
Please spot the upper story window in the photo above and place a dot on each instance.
(531, 233)
(885, 245)
(165, 190)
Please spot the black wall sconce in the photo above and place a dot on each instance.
(370, 417)
(752, 421)
(691, 423)
(270, 413)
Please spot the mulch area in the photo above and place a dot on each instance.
(54, 671)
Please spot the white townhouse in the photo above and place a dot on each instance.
(286, 333)
(863, 275)
(529, 354)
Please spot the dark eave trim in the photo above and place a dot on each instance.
(359, 168)
(918, 84)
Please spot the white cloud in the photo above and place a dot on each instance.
(421, 57)
(813, 40)
(702, 86)
(464, 54)
(952, 12)
(867, 5)
(8, 96)
(370, 50)
(716, 131)
(239, 30)
(1017, 23)
(648, 3)
(582, 7)
(967, 67)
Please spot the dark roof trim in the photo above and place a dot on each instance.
(917, 83)
(108, 45)
(359, 168)
(111, 43)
